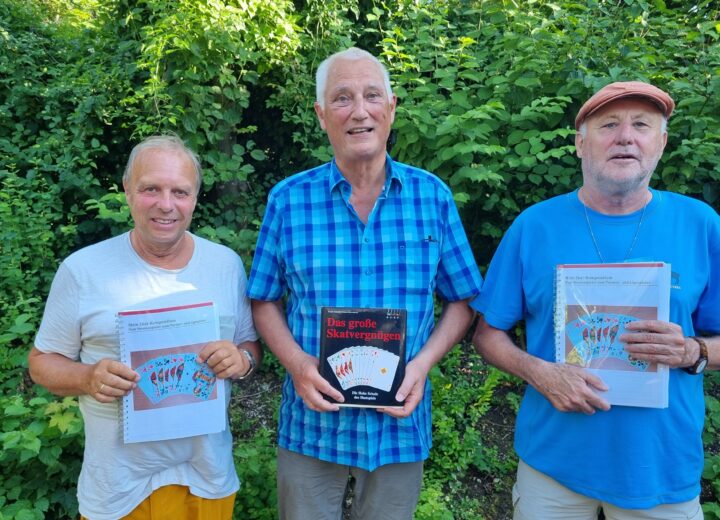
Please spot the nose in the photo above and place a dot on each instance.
(359, 110)
(165, 201)
(625, 133)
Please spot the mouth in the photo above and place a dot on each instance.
(623, 157)
(164, 221)
(361, 130)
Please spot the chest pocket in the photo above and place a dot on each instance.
(418, 264)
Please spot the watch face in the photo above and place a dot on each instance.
(701, 366)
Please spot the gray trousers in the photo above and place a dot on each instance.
(312, 489)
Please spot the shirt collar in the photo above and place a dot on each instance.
(393, 175)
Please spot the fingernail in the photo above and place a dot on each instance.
(399, 397)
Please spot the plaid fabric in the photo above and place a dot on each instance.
(313, 248)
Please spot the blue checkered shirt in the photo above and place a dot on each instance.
(313, 248)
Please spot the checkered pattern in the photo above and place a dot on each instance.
(314, 248)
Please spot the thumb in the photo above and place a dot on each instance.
(405, 388)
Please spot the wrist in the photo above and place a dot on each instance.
(700, 361)
(252, 364)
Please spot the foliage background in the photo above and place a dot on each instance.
(487, 93)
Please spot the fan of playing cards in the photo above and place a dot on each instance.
(364, 365)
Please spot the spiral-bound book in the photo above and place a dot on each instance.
(362, 354)
(593, 303)
(176, 396)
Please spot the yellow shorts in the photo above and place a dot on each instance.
(176, 503)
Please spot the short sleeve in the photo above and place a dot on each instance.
(60, 329)
(245, 329)
(266, 279)
(458, 276)
(501, 300)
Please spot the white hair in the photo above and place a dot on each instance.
(353, 53)
(164, 142)
(583, 127)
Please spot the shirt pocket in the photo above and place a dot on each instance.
(418, 265)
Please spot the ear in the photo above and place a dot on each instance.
(578, 144)
(393, 104)
(320, 115)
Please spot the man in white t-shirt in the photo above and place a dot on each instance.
(156, 264)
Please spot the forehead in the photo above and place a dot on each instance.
(172, 164)
(635, 107)
(344, 73)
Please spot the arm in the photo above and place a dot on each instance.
(302, 367)
(664, 342)
(106, 380)
(567, 387)
(451, 327)
(226, 359)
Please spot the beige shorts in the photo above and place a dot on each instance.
(538, 497)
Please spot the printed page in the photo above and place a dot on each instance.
(176, 396)
(594, 303)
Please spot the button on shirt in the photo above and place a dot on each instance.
(313, 248)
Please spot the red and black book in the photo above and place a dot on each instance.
(362, 354)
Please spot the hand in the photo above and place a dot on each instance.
(224, 358)
(411, 391)
(570, 388)
(309, 384)
(110, 379)
(659, 342)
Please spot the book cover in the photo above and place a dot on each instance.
(362, 354)
(176, 396)
(593, 304)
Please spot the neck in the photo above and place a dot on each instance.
(175, 256)
(614, 204)
(365, 175)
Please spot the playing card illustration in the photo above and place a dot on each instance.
(592, 340)
(364, 365)
(175, 375)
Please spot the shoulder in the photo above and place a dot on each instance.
(98, 252)
(299, 181)
(219, 253)
(676, 201)
(419, 183)
(540, 212)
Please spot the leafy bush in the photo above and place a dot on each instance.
(41, 454)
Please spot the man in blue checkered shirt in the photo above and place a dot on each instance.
(360, 231)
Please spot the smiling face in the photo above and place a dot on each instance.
(161, 193)
(621, 147)
(358, 113)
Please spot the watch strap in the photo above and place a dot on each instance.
(699, 366)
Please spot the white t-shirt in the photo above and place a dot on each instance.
(89, 288)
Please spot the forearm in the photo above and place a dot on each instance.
(713, 344)
(454, 322)
(271, 324)
(496, 347)
(60, 375)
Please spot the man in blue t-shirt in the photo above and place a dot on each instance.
(577, 453)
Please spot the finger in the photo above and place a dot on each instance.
(116, 369)
(595, 382)
(208, 351)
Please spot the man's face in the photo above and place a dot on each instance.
(622, 146)
(161, 193)
(357, 114)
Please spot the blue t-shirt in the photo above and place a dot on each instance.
(635, 458)
(315, 250)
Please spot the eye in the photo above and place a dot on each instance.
(341, 99)
(610, 125)
(181, 193)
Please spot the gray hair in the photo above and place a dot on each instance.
(164, 142)
(583, 127)
(353, 53)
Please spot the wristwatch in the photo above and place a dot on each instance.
(251, 361)
(702, 361)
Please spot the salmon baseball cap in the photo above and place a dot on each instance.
(625, 89)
